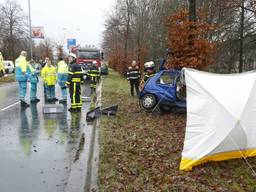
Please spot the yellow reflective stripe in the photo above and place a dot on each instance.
(75, 106)
(74, 95)
(187, 164)
(76, 80)
(67, 82)
(78, 72)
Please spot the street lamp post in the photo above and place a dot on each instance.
(30, 31)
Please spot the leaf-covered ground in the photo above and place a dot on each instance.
(141, 152)
(10, 78)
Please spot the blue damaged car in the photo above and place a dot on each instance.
(164, 90)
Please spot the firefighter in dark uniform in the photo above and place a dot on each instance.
(75, 77)
(133, 76)
(94, 75)
(149, 70)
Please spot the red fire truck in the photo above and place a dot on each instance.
(85, 56)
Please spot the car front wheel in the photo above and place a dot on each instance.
(148, 102)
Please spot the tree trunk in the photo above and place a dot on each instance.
(192, 10)
(241, 50)
(192, 18)
(127, 30)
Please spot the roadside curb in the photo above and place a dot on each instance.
(5, 84)
(84, 170)
(91, 183)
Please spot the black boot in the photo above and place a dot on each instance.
(71, 110)
(35, 100)
(63, 101)
(54, 99)
(24, 104)
(78, 110)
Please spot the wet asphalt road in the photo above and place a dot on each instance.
(38, 152)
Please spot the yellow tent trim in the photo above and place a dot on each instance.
(188, 164)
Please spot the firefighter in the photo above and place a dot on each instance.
(49, 77)
(22, 77)
(133, 76)
(33, 78)
(75, 77)
(94, 75)
(149, 70)
(62, 78)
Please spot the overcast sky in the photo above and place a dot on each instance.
(82, 19)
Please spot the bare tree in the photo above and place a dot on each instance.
(14, 28)
(136, 29)
(44, 49)
(1, 28)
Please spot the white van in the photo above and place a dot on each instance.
(9, 67)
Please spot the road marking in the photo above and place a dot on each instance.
(10, 106)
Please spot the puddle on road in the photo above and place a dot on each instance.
(37, 151)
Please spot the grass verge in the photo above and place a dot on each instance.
(9, 79)
(141, 152)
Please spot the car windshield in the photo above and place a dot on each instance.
(84, 54)
(166, 78)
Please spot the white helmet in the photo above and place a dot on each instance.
(151, 64)
(94, 62)
(72, 55)
(147, 65)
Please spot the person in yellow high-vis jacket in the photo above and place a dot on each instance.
(62, 78)
(21, 73)
(1, 65)
(50, 78)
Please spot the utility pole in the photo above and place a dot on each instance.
(241, 49)
(30, 31)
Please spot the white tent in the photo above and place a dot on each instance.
(221, 117)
